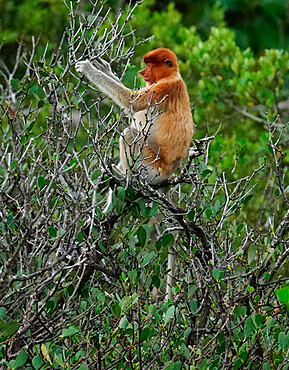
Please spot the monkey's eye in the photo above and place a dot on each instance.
(168, 63)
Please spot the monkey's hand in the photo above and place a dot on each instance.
(103, 66)
(108, 84)
(84, 67)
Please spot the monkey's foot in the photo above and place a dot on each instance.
(117, 172)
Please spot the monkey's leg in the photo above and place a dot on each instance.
(129, 146)
(126, 148)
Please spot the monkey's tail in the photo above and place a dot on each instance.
(107, 208)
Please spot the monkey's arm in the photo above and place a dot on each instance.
(110, 86)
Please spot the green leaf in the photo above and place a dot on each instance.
(243, 355)
(51, 304)
(143, 208)
(37, 362)
(147, 258)
(52, 231)
(11, 221)
(121, 192)
(153, 210)
(142, 236)
(203, 365)
(249, 327)
(174, 366)
(187, 332)
(191, 215)
(208, 214)
(156, 281)
(123, 323)
(283, 295)
(145, 333)
(8, 329)
(33, 88)
(2, 312)
(14, 164)
(283, 340)
(206, 173)
(59, 65)
(193, 306)
(40, 103)
(169, 314)
(100, 296)
(20, 359)
(131, 194)
(217, 206)
(240, 227)
(186, 351)
(168, 240)
(247, 199)
(118, 205)
(15, 83)
(116, 310)
(258, 319)
(83, 367)
(93, 350)
(267, 366)
(252, 253)
(101, 247)
(58, 360)
(243, 151)
(216, 274)
(41, 181)
(67, 332)
(79, 237)
(95, 175)
(237, 364)
(262, 160)
(269, 321)
(240, 311)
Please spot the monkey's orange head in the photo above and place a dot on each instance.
(160, 63)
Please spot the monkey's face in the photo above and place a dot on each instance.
(160, 63)
(154, 72)
(148, 73)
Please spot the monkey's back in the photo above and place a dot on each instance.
(172, 132)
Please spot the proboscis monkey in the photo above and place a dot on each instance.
(163, 143)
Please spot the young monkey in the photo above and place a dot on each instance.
(170, 134)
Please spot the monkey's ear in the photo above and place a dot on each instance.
(169, 63)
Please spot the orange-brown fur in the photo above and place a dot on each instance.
(171, 132)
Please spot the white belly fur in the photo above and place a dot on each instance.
(140, 122)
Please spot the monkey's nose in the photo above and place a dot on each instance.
(142, 72)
